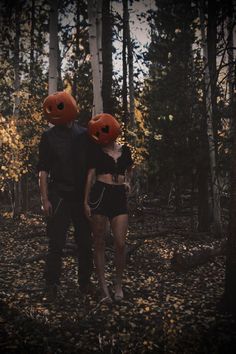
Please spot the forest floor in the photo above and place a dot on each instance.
(164, 310)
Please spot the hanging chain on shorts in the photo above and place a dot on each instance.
(95, 205)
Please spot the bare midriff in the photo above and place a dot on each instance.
(108, 178)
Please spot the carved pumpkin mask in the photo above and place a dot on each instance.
(60, 108)
(103, 128)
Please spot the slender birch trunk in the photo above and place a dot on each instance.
(17, 63)
(32, 48)
(203, 224)
(209, 112)
(25, 178)
(77, 50)
(53, 48)
(128, 54)
(130, 109)
(95, 45)
(107, 57)
(131, 76)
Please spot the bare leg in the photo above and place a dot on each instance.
(99, 223)
(119, 225)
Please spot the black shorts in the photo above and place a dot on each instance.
(108, 199)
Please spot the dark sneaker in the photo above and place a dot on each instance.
(87, 288)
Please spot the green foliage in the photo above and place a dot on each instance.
(169, 108)
(19, 141)
(170, 97)
(20, 133)
(76, 67)
(21, 126)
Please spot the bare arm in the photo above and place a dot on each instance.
(88, 186)
(43, 187)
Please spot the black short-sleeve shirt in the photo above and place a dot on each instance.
(64, 155)
(104, 163)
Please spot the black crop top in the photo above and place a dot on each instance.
(104, 163)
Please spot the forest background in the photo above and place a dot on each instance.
(174, 93)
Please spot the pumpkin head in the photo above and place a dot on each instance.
(103, 128)
(60, 108)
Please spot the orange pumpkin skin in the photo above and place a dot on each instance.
(60, 108)
(103, 128)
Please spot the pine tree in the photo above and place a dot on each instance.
(169, 95)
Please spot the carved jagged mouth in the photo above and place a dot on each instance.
(96, 137)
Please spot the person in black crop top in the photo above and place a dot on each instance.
(107, 187)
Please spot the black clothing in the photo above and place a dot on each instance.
(65, 211)
(108, 199)
(63, 154)
(104, 163)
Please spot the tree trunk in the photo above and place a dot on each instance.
(231, 28)
(17, 202)
(60, 84)
(203, 175)
(53, 48)
(209, 112)
(107, 57)
(25, 192)
(230, 273)
(95, 46)
(184, 261)
(25, 178)
(124, 63)
(177, 195)
(203, 195)
(229, 298)
(32, 49)
(211, 52)
(131, 76)
(75, 77)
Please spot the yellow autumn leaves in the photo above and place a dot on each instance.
(11, 150)
(19, 139)
(15, 149)
(137, 135)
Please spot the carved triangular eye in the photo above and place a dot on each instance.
(49, 109)
(97, 134)
(105, 129)
(60, 105)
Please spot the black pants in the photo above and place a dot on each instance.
(64, 212)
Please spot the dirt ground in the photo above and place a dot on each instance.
(164, 311)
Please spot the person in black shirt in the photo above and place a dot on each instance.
(62, 168)
(106, 200)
